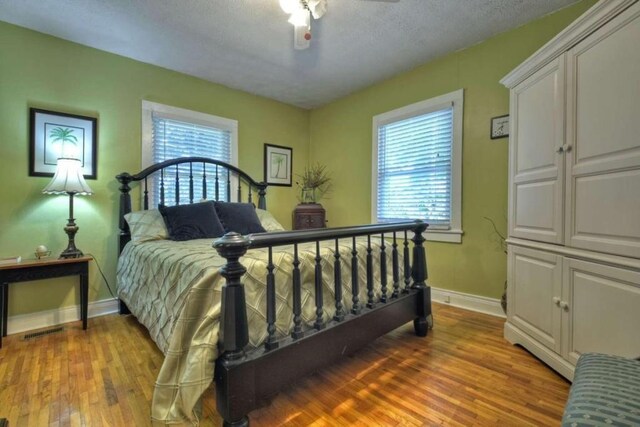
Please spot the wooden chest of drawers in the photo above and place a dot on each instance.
(309, 215)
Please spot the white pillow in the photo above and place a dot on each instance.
(269, 223)
(146, 225)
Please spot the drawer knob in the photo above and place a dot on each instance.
(564, 305)
(556, 301)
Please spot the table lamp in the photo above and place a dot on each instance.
(68, 179)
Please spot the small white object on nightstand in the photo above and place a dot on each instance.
(42, 251)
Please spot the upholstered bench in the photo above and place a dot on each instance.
(605, 391)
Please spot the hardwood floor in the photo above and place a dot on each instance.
(463, 373)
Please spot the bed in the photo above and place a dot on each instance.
(255, 312)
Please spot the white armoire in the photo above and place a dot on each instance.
(574, 191)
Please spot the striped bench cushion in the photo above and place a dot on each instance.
(605, 391)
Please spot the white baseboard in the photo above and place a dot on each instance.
(44, 319)
(468, 301)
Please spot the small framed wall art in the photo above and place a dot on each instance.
(278, 162)
(500, 127)
(54, 135)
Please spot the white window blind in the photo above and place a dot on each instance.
(414, 169)
(170, 133)
(417, 165)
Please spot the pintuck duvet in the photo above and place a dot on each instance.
(174, 289)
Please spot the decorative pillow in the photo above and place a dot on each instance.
(239, 217)
(146, 225)
(195, 221)
(269, 223)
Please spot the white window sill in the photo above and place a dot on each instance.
(450, 236)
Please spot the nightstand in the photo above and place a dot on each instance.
(309, 215)
(29, 270)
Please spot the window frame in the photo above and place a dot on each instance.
(190, 116)
(454, 232)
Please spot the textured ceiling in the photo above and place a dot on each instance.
(248, 44)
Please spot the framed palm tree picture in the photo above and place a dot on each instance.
(55, 135)
(278, 163)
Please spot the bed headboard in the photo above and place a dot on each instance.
(210, 173)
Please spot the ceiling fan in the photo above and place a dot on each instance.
(300, 13)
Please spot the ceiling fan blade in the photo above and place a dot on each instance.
(317, 8)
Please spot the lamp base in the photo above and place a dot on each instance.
(71, 252)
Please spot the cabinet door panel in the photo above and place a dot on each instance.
(606, 207)
(536, 165)
(603, 314)
(529, 210)
(603, 177)
(316, 221)
(535, 279)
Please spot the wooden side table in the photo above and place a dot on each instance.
(29, 270)
(309, 215)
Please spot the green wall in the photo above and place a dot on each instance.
(341, 137)
(37, 70)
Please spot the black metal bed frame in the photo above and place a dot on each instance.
(245, 380)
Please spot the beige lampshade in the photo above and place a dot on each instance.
(68, 179)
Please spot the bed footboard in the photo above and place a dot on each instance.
(245, 381)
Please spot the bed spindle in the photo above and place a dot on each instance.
(383, 270)
(319, 323)
(145, 202)
(250, 190)
(271, 342)
(162, 186)
(396, 267)
(177, 191)
(355, 286)
(339, 314)
(370, 302)
(228, 185)
(407, 265)
(239, 190)
(204, 181)
(190, 182)
(217, 185)
(297, 297)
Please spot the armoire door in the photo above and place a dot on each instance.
(603, 131)
(534, 294)
(536, 160)
(600, 310)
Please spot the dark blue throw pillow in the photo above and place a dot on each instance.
(239, 217)
(195, 221)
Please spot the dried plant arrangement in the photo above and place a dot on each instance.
(314, 183)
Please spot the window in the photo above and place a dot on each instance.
(170, 132)
(417, 165)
